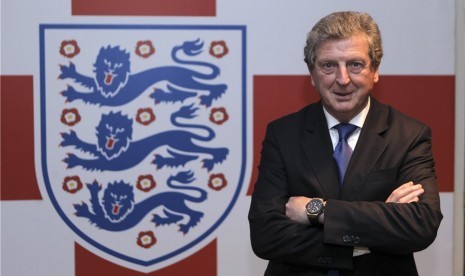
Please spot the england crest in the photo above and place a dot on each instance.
(143, 135)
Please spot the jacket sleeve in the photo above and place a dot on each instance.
(391, 227)
(273, 235)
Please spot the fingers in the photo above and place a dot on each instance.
(406, 193)
(295, 209)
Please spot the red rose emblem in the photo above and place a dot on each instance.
(72, 184)
(146, 239)
(70, 116)
(145, 48)
(145, 116)
(218, 49)
(69, 48)
(146, 183)
(217, 182)
(218, 115)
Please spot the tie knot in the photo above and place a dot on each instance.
(345, 130)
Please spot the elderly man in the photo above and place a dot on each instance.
(347, 185)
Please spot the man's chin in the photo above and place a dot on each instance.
(344, 112)
(344, 107)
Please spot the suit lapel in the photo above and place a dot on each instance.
(317, 146)
(369, 149)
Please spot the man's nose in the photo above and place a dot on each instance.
(342, 76)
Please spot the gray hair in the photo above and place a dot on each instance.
(340, 25)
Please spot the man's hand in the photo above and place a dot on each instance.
(295, 209)
(406, 193)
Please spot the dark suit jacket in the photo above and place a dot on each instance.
(296, 160)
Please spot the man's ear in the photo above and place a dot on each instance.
(311, 79)
(376, 76)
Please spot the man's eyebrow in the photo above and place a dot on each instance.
(326, 59)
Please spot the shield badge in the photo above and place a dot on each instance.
(143, 135)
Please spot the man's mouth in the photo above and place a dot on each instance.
(343, 94)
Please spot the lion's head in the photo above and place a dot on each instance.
(114, 134)
(118, 200)
(111, 70)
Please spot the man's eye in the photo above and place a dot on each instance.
(327, 65)
(355, 66)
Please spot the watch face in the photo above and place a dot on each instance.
(314, 206)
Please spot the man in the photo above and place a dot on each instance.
(313, 214)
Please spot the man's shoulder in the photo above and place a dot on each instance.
(307, 111)
(396, 117)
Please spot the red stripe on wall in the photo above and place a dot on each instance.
(428, 98)
(18, 178)
(144, 7)
(203, 262)
(273, 97)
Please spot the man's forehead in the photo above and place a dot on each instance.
(352, 47)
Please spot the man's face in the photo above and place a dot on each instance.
(343, 76)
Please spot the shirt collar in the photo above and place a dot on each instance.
(358, 120)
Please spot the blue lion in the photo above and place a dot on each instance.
(115, 150)
(113, 85)
(117, 210)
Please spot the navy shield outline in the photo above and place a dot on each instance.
(203, 109)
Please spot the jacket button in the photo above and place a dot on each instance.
(347, 238)
(325, 260)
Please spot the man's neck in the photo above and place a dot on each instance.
(356, 119)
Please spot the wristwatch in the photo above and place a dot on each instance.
(315, 208)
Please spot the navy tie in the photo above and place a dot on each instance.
(343, 152)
